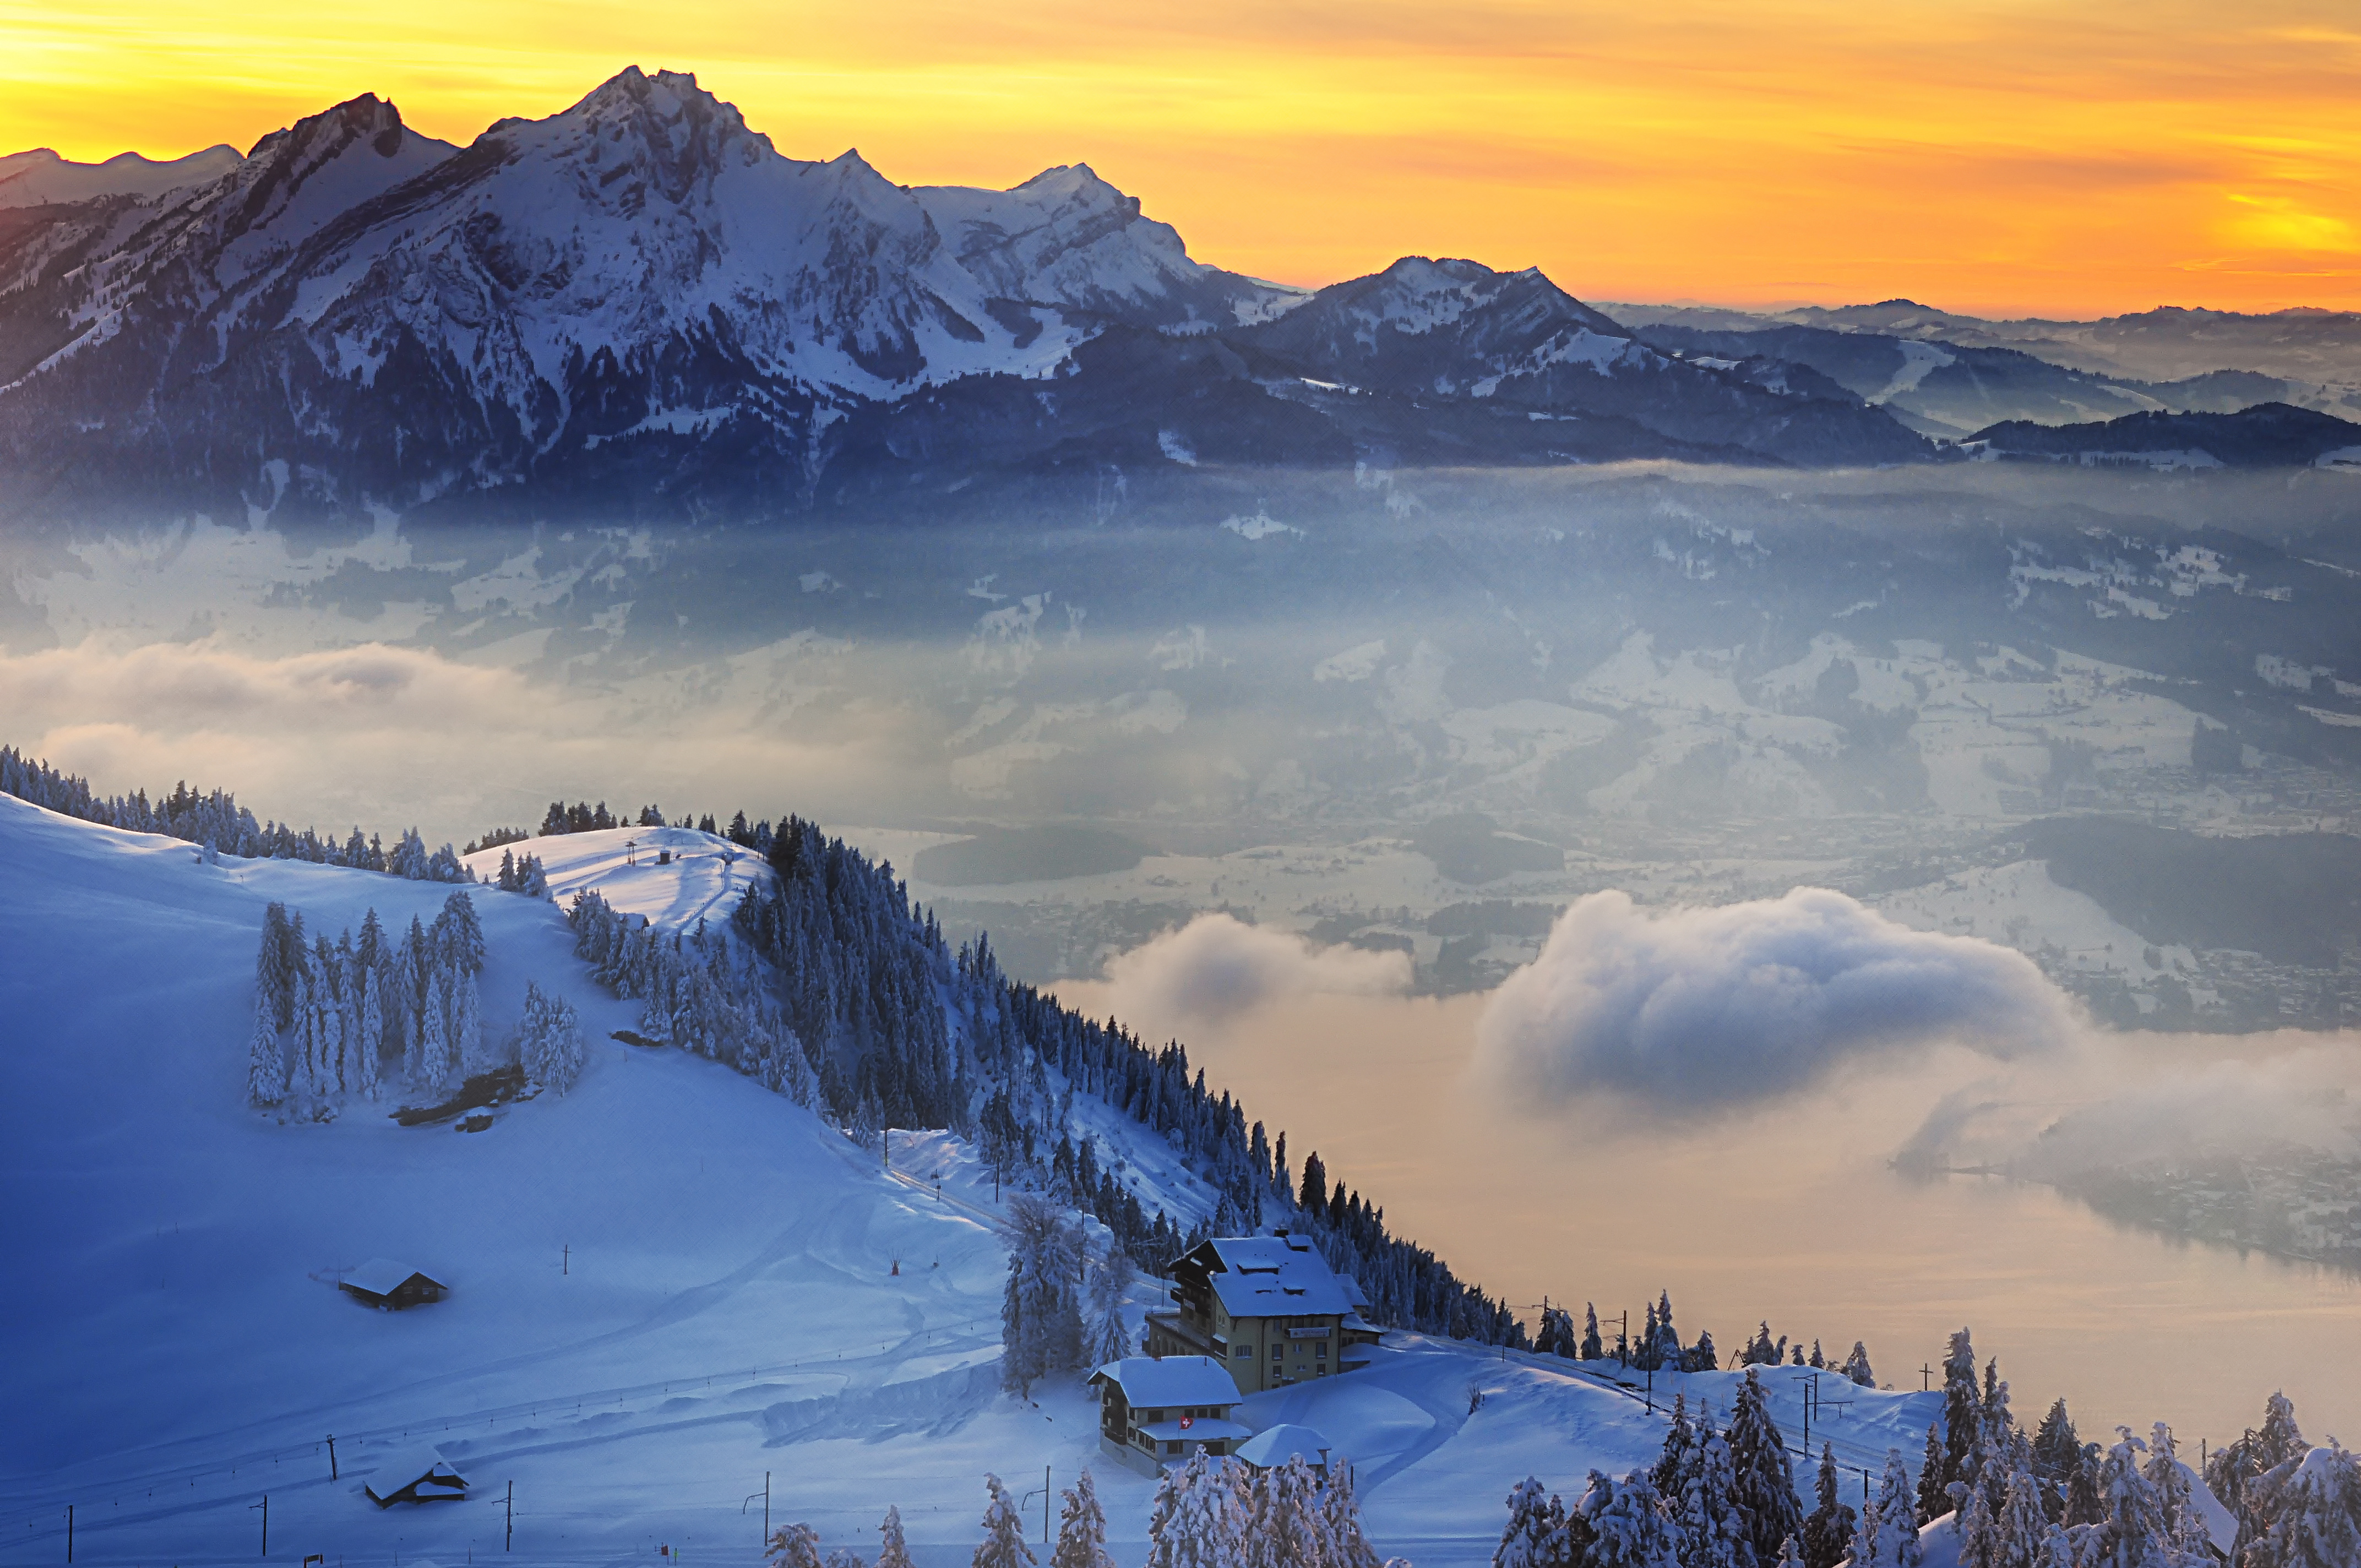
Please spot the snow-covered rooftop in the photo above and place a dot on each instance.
(383, 1276)
(1282, 1442)
(1151, 1383)
(1264, 1276)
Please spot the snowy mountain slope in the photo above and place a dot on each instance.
(665, 1284)
(704, 880)
(40, 178)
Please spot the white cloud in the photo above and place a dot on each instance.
(1696, 1008)
(1217, 966)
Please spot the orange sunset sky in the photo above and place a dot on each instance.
(2072, 157)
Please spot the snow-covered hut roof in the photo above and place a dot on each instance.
(1270, 1277)
(1149, 1383)
(1283, 1443)
(420, 1474)
(383, 1276)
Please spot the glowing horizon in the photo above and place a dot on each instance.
(2002, 158)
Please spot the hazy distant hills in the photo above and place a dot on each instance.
(2270, 435)
(639, 306)
(1946, 375)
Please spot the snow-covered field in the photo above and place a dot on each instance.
(667, 1286)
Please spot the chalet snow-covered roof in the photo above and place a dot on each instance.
(1282, 1442)
(1273, 1277)
(423, 1472)
(383, 1276)
(1174, 1381)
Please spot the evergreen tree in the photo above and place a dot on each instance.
(467, 1023)
(1106, 1338)
(1285, 1527)
(370, 1039)
(793, 1546)
(1962, 1411)
(1887, 1536)
(1856, 1366)
(1199, 1516)
(2057, 1454)
(1340, 1507)
(434, 1039)
(1004, 1532)
(1708, 1525)
(893, 1551)
(1816, 1359)
(1040, 1323)
(1592, 1350)
(1934, 1490)
(2021, 1533)
(2312, 1516)
(459, 936)
(2182, 1528)
(266, 1064)
(1627, 1523)
(1764, 1483)
(1081, 1529)
(1827, 1533)
(1535, 1534)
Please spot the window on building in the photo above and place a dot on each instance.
(1242, 1351)
(1171, 1448)
(1276, 1352)
(1322, 1350)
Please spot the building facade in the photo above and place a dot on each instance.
(1269, 1308)
(1156, 1412)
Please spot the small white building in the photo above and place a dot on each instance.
(1274, 1446)
(421, 1475)
(1154, 1412)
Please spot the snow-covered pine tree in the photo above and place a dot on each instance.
(1041, 1328)
(1888, 1533)
(1962, 1413)
(458, 935)
(1004, 1532)
(303, 1045)
(2312, 1514)
(893, 1551)
(1791, 1555)
(1340, 1507)
(1081, 1529)
(1706, 1523)
(1670, 1474)
(1627, 1523)
(434, 1039)
(467, 1023)
(266, 1064)
(1828, 1531)
(2133, 1531)
(330, 1037)
(2236, 1470)
(1592, 1349)
(1817, 1361)
(506, 881)
(2184, 1526)
(533, 879)
(1856, 1366)
(2057, 1454)
(549, 1040)
(1106, 1336)
(370, 1040)
(1285, 1527)
(2021, 1533)
(1934, 1490)
(1535, 1534)
(1764, 1483)
(793, 1546)
(1975, 1530)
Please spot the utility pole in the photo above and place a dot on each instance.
(765, 1495)
(332, 1458)
(265, 1506)
(1045, 1504)
(565, 1258)
(508, 1532)
(1623, 1340)
(68, 1533)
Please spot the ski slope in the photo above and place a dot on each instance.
(667, 1286)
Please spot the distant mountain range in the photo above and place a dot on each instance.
(639, 305)
(2270, 435)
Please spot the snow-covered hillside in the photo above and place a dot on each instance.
(665, 1284)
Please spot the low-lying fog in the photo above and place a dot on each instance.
(2076, 752)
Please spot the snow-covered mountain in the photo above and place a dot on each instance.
(665, 1274)
(639, 297)
(40, 178)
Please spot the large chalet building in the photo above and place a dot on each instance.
(1267, 1307)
